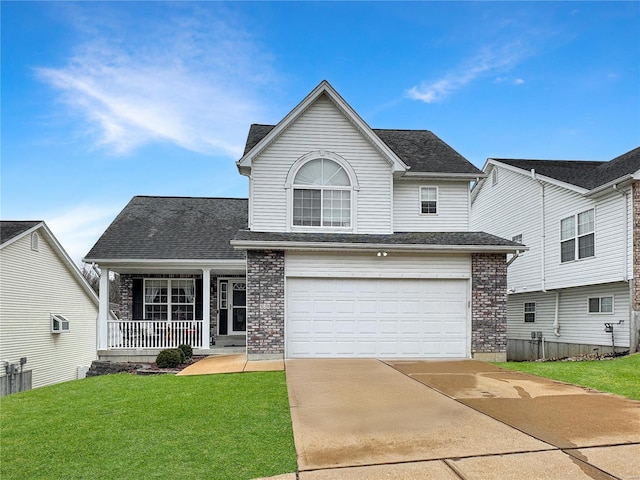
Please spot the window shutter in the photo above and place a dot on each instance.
(199, 297)
(138, 299)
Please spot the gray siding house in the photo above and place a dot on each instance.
(354, 242)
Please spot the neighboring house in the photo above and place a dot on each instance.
(48, 311)
(575, 286)
(354, 242)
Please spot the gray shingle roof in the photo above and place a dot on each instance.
(173, 228)
(422, 150)
(470, 239)
(585, 174)
(10, 228)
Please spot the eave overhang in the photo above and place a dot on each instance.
(371, 247)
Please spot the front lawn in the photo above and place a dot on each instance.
(620, 376)
(234, 426)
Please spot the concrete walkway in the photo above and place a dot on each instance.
(231, 364)
(367, 419)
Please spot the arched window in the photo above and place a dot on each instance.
(322, 195)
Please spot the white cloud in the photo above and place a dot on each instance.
(189, 79)
(78, 228)
(518, 81)
(490, 60)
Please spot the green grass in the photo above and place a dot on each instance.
(234, 426)
(620, 376)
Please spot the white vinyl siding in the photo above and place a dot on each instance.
(490, 212)
(452, 207)
(577, 325)
(321, 127)
(34, 285)
(369, 265)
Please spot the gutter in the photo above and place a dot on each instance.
(332, 246)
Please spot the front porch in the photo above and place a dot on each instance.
(204, 309)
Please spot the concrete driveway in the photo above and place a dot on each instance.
(369, 419)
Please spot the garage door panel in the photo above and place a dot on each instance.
(376, 317)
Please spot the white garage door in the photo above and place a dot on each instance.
(336, 317)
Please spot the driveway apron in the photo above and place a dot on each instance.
(363, 418)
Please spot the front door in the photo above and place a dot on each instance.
(232, 306)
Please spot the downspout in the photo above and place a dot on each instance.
(543, 232)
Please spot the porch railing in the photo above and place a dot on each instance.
(141, 334)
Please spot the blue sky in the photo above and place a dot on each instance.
(102, 101)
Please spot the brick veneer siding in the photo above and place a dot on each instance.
(265, 304)
(488, 306)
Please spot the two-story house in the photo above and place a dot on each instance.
(354, 242)
(574, 290)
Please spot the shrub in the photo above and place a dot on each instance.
(183, 357)
(170, 358)
(187, 350)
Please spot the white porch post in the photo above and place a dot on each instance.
(103, 309)
(206, 307)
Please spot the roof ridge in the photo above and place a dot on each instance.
(188, 197)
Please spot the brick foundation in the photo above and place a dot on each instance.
(265, 304)
(489, 306)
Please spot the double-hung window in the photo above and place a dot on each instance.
(322, 195)
(530, 312)
(577, 236)
(429, 200)
(170, 299)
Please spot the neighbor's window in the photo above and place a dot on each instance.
(322, 195)
(429, 200)
(601, 305)
(172, 299)
(59, 323)
(530, 312)
(577, 236)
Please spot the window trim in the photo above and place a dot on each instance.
(169, 304)
(437, 200)
(576, 236)
(63, 323)
(290, 187)
(525, 312)
(600, 298)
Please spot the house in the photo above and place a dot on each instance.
(48, 311)
(577, 288)
(354, 242)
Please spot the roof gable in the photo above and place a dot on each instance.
(421, 150)
(173, 228)
(10, 230)
(588, 175)
(264, 136)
